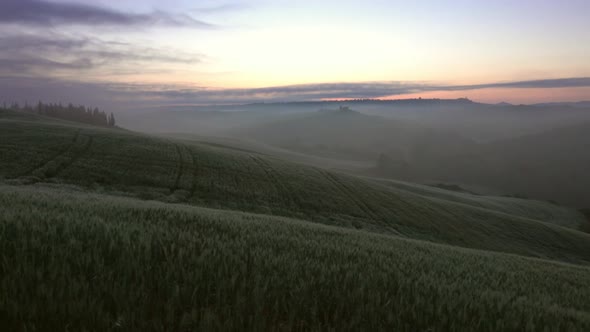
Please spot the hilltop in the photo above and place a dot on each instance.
(458, 142)
(95, 260)
(214, 176)
(350, 134)
(141, 231)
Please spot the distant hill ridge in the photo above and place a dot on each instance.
(205, 175)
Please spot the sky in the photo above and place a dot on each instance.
(128, 53)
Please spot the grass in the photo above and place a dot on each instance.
(96, 262)
(108, 230)
(526, 208)
(586, 226)
(125, 163)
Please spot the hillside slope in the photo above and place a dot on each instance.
(555, 163)
(96, 263)
(525, 208)
(484, 122)
(349, 134)
(530, 151)
(552, 165)
(125, 163)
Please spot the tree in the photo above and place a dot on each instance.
(70, 112)
(111, 120)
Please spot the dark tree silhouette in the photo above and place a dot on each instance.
(70, 112)
(111, 120)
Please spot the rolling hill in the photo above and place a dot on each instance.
(504, 149)
(348, 134)
(97, 262)
(551, 165)
(484, 122)
(127, 230)
(555, 163)
(118, 161)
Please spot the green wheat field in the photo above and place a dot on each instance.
(104, 229)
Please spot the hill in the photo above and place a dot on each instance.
(526, 208)
(475, 121)
(104, 228)
(348, 134)
(579, 104)
(558, 170)
(427, 141)
(551, 165)
(487, 123)
(215, 121)
(490, 147)
(96, 262)
(126, 163)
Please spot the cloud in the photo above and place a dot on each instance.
(124, 95)
(45, 13)
(363, 90)
(222, 8)
(27, 63)
(574, 82)
(43, 54)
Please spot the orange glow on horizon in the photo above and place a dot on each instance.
(496, 95)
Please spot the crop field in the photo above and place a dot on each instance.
(525, 208)
(125, 163)
(96, 262)
(106, 229)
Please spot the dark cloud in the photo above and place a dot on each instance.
(44, 13)
(222, 8)
(25, 64)
(547, 83)
(121, 95)
(23, 54)
(346, 90)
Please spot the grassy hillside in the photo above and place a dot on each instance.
(349, 134)
(124, 163)
(525, 208)
(275, 151)
(96, 262)
(586, 227)
(210, 122)
(552, 165)
(555, 163)
(484, 122)
(214, 120)
(532, 151)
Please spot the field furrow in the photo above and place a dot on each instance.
(37, 169)
(130, 164)
(93, 260)
(79, 154)
(195, 173)
(180, 168)
(284, 192)
(342, 188)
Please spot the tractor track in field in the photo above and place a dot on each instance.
(195, 173)
(341, 187)
(282, 188)
(63, 166)
(51, 158)
(180, 169)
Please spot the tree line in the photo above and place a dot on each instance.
(77, 113)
